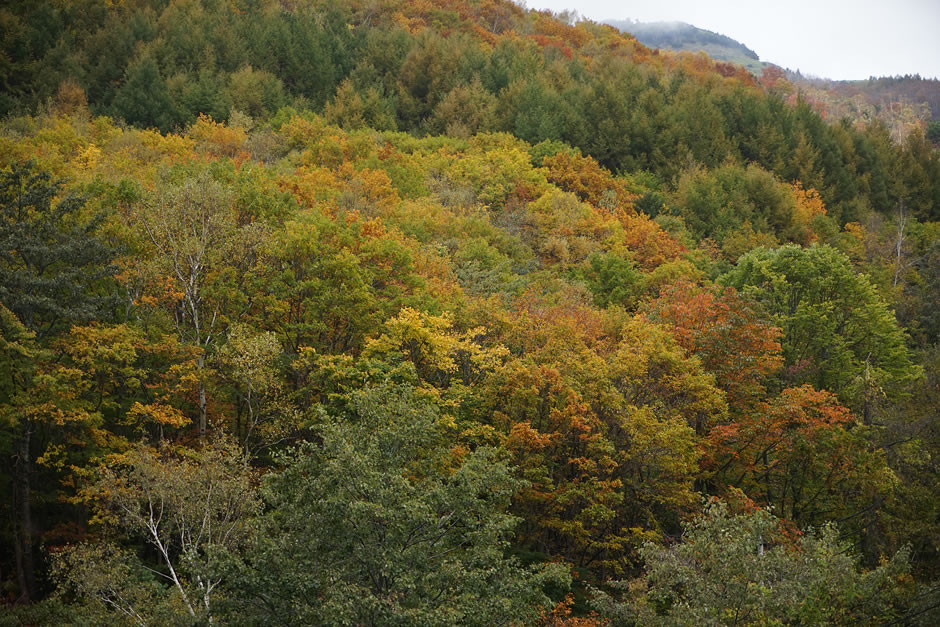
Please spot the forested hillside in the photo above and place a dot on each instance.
(885, 91)
(902, 104)
(679, 36)
(399, 312)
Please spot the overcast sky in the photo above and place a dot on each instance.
(839, 39)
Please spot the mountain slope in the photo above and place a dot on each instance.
(679, 36)
(888, 90)
(499, 281)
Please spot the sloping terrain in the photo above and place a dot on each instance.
(679, 36)
(405, 312)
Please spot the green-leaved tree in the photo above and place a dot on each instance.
(382, 523)
(743, 569)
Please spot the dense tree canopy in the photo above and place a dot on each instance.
(395, 528)
(838, 333)
(742, 568)
(398, 312)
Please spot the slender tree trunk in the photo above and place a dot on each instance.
(899, 244)
(23, 522)
(201, 365)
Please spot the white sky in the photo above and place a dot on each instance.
(838, 39)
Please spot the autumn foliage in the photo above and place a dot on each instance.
(457, 313)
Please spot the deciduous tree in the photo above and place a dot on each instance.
(743, 568)
(838, 332)
(380, 522)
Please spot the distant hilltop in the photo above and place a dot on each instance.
(899, 101)
(680, 36)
